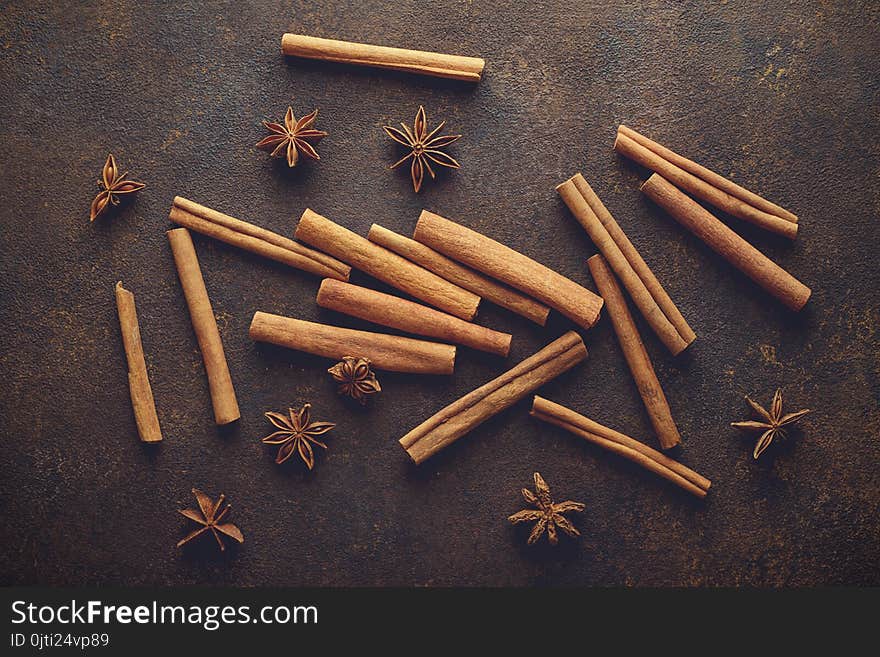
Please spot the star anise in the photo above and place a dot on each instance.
(774, 420)
(424, 147)
(356, 379)
(296, 433)
(114, 185)
(547, 516)
(209, 516)
(291, 139)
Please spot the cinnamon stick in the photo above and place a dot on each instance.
(614, 441)
(462, 276)
(721, 239)
(709, 176)
(408, 316)
(205, 326)
(456, 67)
(257, 240)
(635, 260)
(724, 200)
(385, 265)
(449, 424)
(387, 352)
(623, 258)
(508, 266)
(636, 356)
(138, 382)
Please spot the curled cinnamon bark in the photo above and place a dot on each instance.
(255, 239)
(386, 352)
(733, 248)
(705, 184)
(404, 315)
(508, 266)
(634, 351)
(386, 265)
(205, 325)
(451, 423)
(138, 382)
(457, 67)
(644, 288)
(614, 441)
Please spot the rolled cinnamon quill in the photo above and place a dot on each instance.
(720, 238)
(386, 352)
(399, 59)
(138, 382)
(451, 423)
(508, 266)
(394, 312)
(257, 240)
(665, 319)
(634, 351)
(489, 290)
(385, 265)
(614, 441)
(205, 326)
(705, 184)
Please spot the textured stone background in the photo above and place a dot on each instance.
(783, 97)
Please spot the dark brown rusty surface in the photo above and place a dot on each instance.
(785, 100)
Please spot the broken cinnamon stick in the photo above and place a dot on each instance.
(138, 382)
(489, 290)
(614, 441)
(386, 265)
(636, 356)
(456, 67)
(449, 424)
(721, 239)
(728, 201)
(508, 266)
(386, 352)
(404, 315)
(623, 258)
(249, 237)
(205, 325)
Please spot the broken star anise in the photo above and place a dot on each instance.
(774, 420)
(296, 432)
(291, 138)
(356, 379)
(547, 516)
(209, 516)
(114, 185)
(424, 147)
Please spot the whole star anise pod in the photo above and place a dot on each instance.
(291, 139)
(424, 147)
(774, 421)
(547, 515)
(355, 378)
(296, 433)
(209, 516)
(114, 185)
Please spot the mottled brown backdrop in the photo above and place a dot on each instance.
(783, 97)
